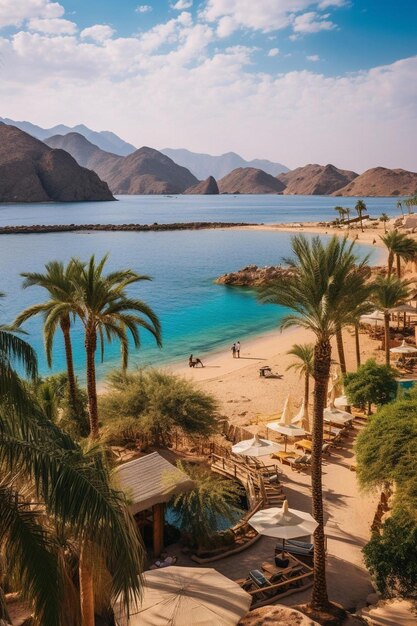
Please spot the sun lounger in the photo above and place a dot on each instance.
(283, 457)
(298, 548)
(265, 371)
(300, 462)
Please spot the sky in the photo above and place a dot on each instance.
(295, 81)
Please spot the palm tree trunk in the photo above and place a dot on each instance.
(86, 590)
(322, 358)
(360, 220)
(398, 266)
(306, 389)
(390, 263)
(341, 350)
(357, 346)
(72, 386)
(90, 347)
(387, 338)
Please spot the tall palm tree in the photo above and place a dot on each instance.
(400, 247)
(58, 281)
(400, 206)
(410, 203)
(304, 353)
(341, 212)
(106, 311)
(360, 208)
(384, 219)
(47, 482)
(388, 293)
(323, 293)
(14, 351)
(347, 212)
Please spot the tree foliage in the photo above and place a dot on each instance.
(370, 384)
(154, 403)
(198, 510)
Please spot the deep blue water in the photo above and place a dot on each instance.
(196, 315)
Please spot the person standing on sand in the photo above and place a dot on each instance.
(238, 349)
(234, 350)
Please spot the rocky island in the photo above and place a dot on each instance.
(254, 276)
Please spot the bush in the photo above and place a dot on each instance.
(371, 384)
(153, 404)
(392, 557)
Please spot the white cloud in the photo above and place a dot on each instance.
(273, 52)
(313, 57)
(182, 4)
(53, 26)
(98, 32)
(15, 12)
(311, 22)
(178, 92)
(326, 4)
(143, 8)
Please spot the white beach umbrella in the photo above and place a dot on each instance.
(404, 348)
(256, 447)
(404, 308)
(341, 401)
(283, 523)
(375, 317)
(336, 416)
(288, 430)
(302, 418)
(286, 412)
(180, 596)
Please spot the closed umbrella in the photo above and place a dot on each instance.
(188, 596)
(283, 523)
(302, 417)
(256, 447)
(287, 431)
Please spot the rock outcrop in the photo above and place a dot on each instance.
(206, 187)
(250, 180)
(318, 180)
(30, 171)
(381, 181)
(254, 276)
(145, 171)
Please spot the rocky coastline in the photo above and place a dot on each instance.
(254, 276)
(68, 228)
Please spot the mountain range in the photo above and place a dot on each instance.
(145, 171)
(204, 165)
(30, 171)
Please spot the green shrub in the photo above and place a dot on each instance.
(371, 384)
(154, 404)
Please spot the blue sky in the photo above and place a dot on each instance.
(311, 80)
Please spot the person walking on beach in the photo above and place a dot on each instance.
(238, 349)
(234, 350)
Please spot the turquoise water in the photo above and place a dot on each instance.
(168, 209)
(406, 384)
(196, 315)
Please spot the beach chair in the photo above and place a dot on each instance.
(283, 457)
(298, 548)
(301, 462)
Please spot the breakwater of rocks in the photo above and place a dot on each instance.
(254, 276)
(69, 228)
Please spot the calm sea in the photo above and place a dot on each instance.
(196, 315)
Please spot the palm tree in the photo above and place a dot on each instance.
(399, 246)
(341, 212)
(304, 352)
(323, 292)
(58, 281)
(410, 202)
(400, 206)
(360, 208)
(384, 219)
(388, 293)
(106, 311)
(14, 351)
(48, 485)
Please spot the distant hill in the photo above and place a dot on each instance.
(204, 165)
(30, 171)
(104, 139)
(380, 181)
(250, 180)
(313, 179)
(145, 171)
(206, 187)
